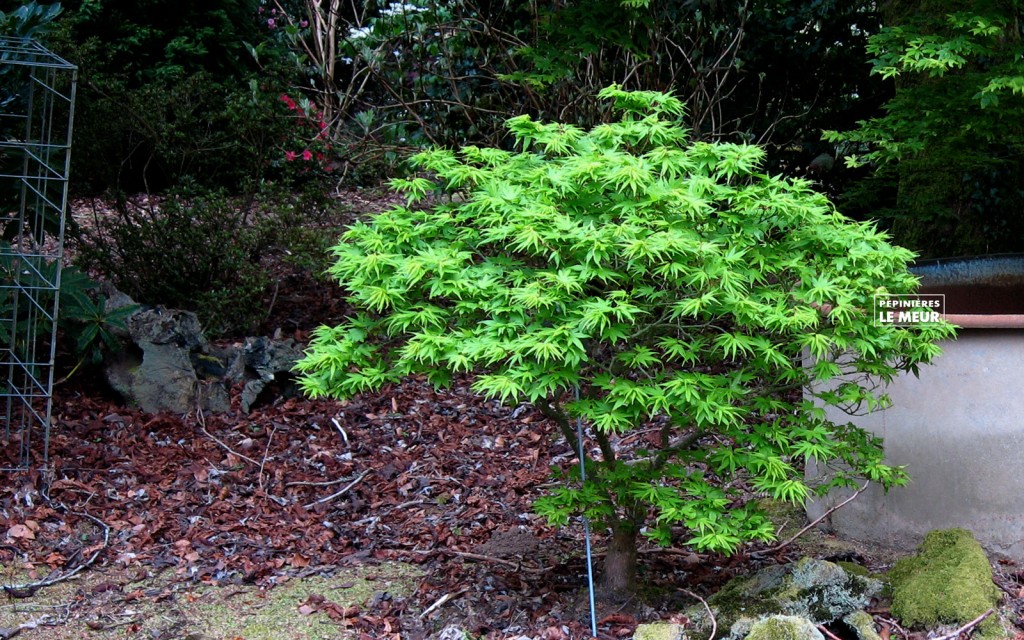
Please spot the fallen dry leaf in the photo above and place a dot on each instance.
(21, 532)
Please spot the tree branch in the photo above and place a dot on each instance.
(810, 526)
(549, 409)
(606, 448)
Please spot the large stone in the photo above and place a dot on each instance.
(155, 372)
(948, 582)
(168, 365)
(820, 591)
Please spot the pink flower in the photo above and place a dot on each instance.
(307, 155)
(260, 10)
(270, 23)
(304, 24)
(273, 12)
(285, 98)
(289, 156)
(319, 157)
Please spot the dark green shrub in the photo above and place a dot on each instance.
(150, 39)
(168, 91)
(208, 252)
(149, 138)
(193, 250)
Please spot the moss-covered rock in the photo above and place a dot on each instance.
(784, 628)
(818, 590)
(659, 631)
(854, 568)
(949, 581)
(862, 624)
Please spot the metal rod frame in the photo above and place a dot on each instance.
(37, 98)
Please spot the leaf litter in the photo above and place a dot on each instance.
(439, 479)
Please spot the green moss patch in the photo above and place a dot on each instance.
(110, 604)
(660, 631)
(784, 628)
(279, 613)
(948, 582)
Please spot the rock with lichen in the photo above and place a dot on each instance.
(817, 590)
(659, 631)
(784, 628)
(949, 581)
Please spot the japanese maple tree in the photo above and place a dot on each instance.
(625, 277)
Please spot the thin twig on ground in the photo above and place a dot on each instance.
(341, 430)
(28, 589)
(707, 607)
(266, 452)
(484, 558)
(967, 627)
(440, 601)
(479, 557)
(828, 634)
(202, 425)
(893, 624)
(324, 483)
(337, 494)
(43, 621)
(813, 524)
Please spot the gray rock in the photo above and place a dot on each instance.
(817, 590)
(784, 628)
(166, 327)
(155, 372)
(168, 365)
(265, 361)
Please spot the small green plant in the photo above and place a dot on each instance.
(83, 316)
(668, 284)
(29, 20)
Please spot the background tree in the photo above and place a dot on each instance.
(952, 139)
(671, 284)
(429, 72)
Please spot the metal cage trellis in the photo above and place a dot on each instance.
(37, 98)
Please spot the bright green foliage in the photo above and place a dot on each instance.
(671, 283)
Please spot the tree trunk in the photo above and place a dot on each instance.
(620, 563)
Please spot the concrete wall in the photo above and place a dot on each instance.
(959, 430)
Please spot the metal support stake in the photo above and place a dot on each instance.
(586, 525)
